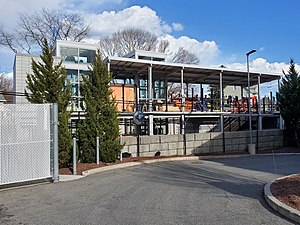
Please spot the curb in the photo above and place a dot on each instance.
(278, 206)
(130, 164)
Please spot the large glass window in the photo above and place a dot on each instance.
(159, 88)
(69, 55)
(72, 76)
(86, 56)
(143, 89)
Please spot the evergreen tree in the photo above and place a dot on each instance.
(101, 116)
(47, 84)
(289, 101)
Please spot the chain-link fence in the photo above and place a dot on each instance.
(25, 142)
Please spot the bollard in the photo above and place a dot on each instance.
(121, 142)
(74, 156)
(97, 149)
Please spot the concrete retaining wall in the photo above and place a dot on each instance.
(203, 143)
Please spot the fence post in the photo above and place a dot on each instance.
(97, 150)
(55, 142)
(74, 156)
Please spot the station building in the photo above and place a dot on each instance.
(141, 81)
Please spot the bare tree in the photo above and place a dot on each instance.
(184, 56)
(163, 46)
(51, 25)
(123, 42)
(6, 83)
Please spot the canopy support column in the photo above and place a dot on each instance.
(182, 90)
(221, 91)
(258, 104)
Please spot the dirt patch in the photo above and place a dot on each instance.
(287, 191)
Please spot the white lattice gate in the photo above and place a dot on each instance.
(25, 139)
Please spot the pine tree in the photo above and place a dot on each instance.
(289, 101)
(101, 116)
(47, 84)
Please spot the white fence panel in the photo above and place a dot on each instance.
(24, 142)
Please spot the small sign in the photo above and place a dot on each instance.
(138, 117)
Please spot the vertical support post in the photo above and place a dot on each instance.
(150, 90)
(182, 124)
(221, 91)
(271, 98)
(166, 98)
(136, 98)
(258, 104)
(55, 142)
(187, 89)
(249, 104)
(137, 87)
(184, 134)
(222, 123)
(264, 105)
(211, 99)
(166, 93)
(192, 98)
(123, 97)
(138, 129)
(150, 120)
(97, 150)
(202, 98)
(182, 90)
(222, 130)
(150, 117)
(121, 143)
(281, 121)
(74, 156)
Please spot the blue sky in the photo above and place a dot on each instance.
(217, 31)
(238, 26)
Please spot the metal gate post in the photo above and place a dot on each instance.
(55, 142)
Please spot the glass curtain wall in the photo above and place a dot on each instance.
(75, 76)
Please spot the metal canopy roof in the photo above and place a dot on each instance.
(123, 68)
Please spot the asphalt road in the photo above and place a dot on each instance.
(219, 191)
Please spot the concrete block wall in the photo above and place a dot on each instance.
(203, 143)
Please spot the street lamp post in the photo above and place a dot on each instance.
(249, 102)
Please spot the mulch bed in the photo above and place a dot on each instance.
(287, 191)
(80, 167)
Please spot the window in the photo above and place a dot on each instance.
(69, 55)
(86, 56)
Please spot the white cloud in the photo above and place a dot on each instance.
(206, 51)
(11, 8)
(177, 26)
(262, 65)
(145, 18)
